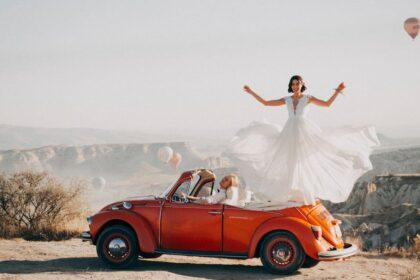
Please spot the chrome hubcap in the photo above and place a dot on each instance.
(281, 253)
(117, 247)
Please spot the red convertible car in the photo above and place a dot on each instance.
(285, 239)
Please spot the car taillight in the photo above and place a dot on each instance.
(317, 231)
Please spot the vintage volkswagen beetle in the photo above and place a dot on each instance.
(286, 237)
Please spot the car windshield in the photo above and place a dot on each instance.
(194, 181)
(167, 190)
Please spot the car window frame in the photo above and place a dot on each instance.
(188, 180)
(193, 180)
(198, 189)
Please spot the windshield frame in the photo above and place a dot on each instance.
(194, 179)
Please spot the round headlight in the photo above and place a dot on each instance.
(127, 205)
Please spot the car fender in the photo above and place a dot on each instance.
(301, 229)
(144, 233)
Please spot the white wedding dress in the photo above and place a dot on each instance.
(301, 162)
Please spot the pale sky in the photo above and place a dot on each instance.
(179, 66)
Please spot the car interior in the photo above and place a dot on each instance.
(201, 184)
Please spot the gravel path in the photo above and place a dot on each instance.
(74, 259)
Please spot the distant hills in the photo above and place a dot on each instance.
(391, 143)
(119, 161)
(21, 137)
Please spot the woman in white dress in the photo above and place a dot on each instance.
(301, 162)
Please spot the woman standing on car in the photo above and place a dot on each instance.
(300, 162)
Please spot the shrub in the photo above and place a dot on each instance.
(36, 206)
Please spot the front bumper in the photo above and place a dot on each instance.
(85, 236)
(348, 251)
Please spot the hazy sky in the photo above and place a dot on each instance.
(175, 66)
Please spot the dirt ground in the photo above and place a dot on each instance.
(74, 259)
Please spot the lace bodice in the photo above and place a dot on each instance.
(300, 109)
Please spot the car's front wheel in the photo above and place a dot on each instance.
(117, 247)
(281, 253)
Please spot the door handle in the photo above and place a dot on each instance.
(215, 212)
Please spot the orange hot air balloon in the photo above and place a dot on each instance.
(411, 25)
(175, 161)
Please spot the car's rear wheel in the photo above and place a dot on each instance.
(117, 247)
(309, 262)
(281, 253)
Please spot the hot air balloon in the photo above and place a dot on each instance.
(165, 154)
(411, 25)
(175, 161)
(99, 183)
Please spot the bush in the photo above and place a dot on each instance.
(36, 206)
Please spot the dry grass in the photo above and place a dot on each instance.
(411, 252)
(410, 274)
(36, 206)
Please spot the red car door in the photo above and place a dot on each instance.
(191, 227)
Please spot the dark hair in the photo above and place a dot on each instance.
(298, 78)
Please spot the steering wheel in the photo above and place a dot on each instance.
(182, 198)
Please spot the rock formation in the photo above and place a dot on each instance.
(383, 212)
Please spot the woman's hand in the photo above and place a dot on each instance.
(247, 89)
(340, 87)
(277, 102)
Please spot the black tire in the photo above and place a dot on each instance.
(149, 255)
(309, 262)
(124, 243)
(290, 255)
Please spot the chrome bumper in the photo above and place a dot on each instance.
(348, 251)
(85, 236)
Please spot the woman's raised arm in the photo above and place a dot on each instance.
(276, 102)
(327, 103)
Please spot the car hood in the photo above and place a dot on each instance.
(132, 199)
